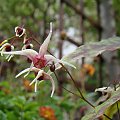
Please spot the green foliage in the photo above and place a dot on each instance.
(110, 111)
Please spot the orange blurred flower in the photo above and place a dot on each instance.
(89, 69)
(5, 90)
(47, 113)
(26, 84)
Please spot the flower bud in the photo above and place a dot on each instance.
(52, 67)
(27, 46)
(19, 31)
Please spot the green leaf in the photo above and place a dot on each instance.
(99, 110)
(3, 116)
(110, 111)
(94, 48)
(31, 106)
(11, 116)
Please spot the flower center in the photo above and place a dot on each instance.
(39, 62)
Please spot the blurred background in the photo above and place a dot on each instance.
(75, 23)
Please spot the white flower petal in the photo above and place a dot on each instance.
(104, 89)
(51, 58)
(36, 86)
(67, 63)
(44, 46)
(27, 52)
(9, 58)
(53, 86)
(4, 45)
(22, 72)
(57, 62)
(31, 66)
(38, 75)
(2, 51)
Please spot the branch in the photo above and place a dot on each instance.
(78, 11)
(72, 41)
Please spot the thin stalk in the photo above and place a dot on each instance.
(7, 40)
(82, 97)
(107, 117)
(67, 89)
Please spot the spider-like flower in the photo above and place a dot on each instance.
(40, 60)
(40, 76)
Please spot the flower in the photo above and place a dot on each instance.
(47, 112)
(40, 75)
(7, 47)
(20, 31)
(104, 90)
(39, 60)
(89, 69)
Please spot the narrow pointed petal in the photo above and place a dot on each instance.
(2, 51)
(22, 72)
(4, 45)
(27, 52)
(9, 58)
(57, 62)
(44, 46)
(36, 86)
(38, 75)
(67, 63)
(31, 66)
(53, 86)
(51, 58)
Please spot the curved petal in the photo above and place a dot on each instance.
(50, 58)
(36, 85)
(22, 72)
(67, 63)
(4, 45)
(31, 66)
(38, 75)
(27, 52)
(53, 86)
(44, 46)
(57, 62)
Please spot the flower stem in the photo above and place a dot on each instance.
(82, 97)
(107, 116)
(67, 89)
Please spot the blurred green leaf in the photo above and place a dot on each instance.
(11, 116)
(3, 116)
